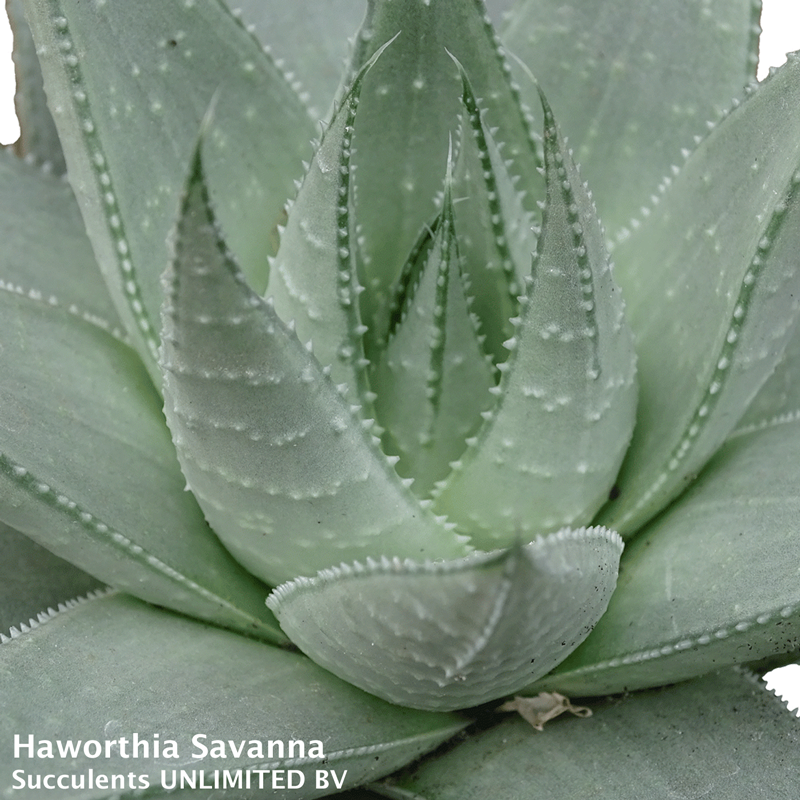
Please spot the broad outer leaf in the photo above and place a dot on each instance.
(723, 737)
(633, 81)
(127, 668)
(33, 579)
(45, 254)
(88, 470)
(713, 581)
(38, 137)
(128, 137)
(713, 292)
(453, 634)
(551, 447)
(288, 473)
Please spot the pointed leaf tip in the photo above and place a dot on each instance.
(297, 487)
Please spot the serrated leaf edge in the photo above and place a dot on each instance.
(677, 646)
(43, 617)
(96, 158)
(724, 358)
(105, 534)
(384, 565)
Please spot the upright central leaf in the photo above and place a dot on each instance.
(433, 378)
(409, 108)
(548, 452)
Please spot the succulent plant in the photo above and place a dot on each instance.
(407, 408)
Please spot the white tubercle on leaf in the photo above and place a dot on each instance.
(313, 279)
(285, 469)
(433, 377)
(549, 451)
(495, 230)
(458, 633)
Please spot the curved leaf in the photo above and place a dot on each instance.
(633, 81)
(288, 473)
(88, 470)
(112, 65)
(723, 736)
(495, 231)
(713, 293)
(453, 634)
(712, 581)
(313, 279)
(129, 669)
(549, 450)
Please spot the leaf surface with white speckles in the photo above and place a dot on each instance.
(547, 454)
(293, 490)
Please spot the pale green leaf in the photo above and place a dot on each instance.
(38, 138)
(713, 292)
(633, 81)
(313, 280)
(453, 634)
(45, 254)
(433, 377)
(88, 470)
(33, 579)
(409, 108)
(722, 737)
(780, 395)
(712, 581)
(131, 669)
(289, 474)
(549, 450)
(309, 43)
(495, 230)
(112, 67)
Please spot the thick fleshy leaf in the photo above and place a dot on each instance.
(409, 108)
(457, 633)
(88, 470)
(713, 292)
(713, 581)
(548, 452)
(45, 254)
(288, 473)
(495, 230)
(32, 579)
(313, 280)
(633, 81)
(310, 45)
(38, 139)
(132, 672)
(433, 377)
(108, 68)
(724, 736)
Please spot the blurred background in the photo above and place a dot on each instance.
(780, 22)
